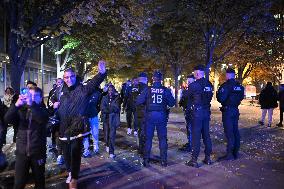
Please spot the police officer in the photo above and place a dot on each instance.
(230, 95)
(157, 98)
(140, 110)
(186, 104)
(200, 95)
(129, 105)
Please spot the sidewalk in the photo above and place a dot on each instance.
(261, 164)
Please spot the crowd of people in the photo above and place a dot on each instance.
(75, 109)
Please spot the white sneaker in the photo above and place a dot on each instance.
(107, 149)
(69, 178)
(96, 150)
(135, 133)
(129, 131)
(112, 156)
(60, 160)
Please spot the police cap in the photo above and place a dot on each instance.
(142, 74)
(230, 70)
(199, 67)
(157, 75)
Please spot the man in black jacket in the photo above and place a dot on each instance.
(110, 108)
(74, 123)
(54, 131)
(31, 137)
(141, 113)
(186, 104)
(129, 105)
(268, 101)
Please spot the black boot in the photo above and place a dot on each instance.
(279, 125)
(207, 160)
(236, 154)
(164, 163)
(192, 162)
(185, 148)
(227, 157)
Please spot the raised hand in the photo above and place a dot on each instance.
(102, 66)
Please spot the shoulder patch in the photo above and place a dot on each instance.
(237, 88)
(207, 89)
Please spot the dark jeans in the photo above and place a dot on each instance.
(230, 120)
(281, 115)
(72, 151)
(22, 167)
(200, 127)
(156, 120)
(110, 126)
(131, 114)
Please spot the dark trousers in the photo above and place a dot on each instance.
(131, 115)
(188, 120)
(112, 121)
(22, 167)
(72, 151)
(200, 127)
(3, 133)
(156, 120)
(281, 115)
(141, 133)
(230, 120)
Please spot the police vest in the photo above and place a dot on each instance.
(206, 93)
(235, 96)
(156, 99)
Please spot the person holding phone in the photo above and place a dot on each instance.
(32, 117)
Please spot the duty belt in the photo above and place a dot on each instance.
(194, 108)
(223, 108)
(74, 137)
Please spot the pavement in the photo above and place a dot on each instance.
(261, 162)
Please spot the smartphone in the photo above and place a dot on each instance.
(24, 91)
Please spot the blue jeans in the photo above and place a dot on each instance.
(94, 128)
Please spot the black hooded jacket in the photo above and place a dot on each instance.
(73, 105)
(31, 135)
(268, 98)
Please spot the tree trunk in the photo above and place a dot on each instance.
(216, 82)
(176, 73)
(16, 73)
(59, 73)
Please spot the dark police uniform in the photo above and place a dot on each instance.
(129, 104)
(200, 95)
(230, 95)
(157, 98)
(141, 113)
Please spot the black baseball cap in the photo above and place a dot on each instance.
(157, 74)
(230, 70)
(142, 74)
(199, 67)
